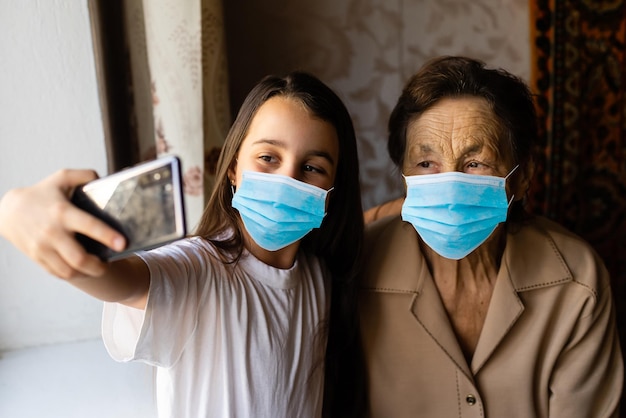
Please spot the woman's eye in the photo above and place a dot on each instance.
(420, 167)
(266, 158)
(478, 164)
(478, 167)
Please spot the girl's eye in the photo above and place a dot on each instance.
(424, 164)
(308, 167)
(266, 158)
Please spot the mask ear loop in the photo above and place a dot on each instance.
(506, 178)
(327, 198)
(511, 200)
(511, 172)
(232, 182)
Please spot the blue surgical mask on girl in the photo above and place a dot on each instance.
(455, 212)
(278, 210)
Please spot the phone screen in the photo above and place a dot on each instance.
(144, 203)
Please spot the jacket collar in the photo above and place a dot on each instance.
(392, 246)
(396, 265)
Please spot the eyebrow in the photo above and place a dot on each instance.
(472, 149)
(281, 144)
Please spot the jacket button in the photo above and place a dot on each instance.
(470, 399)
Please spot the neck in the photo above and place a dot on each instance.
(281, 259)
(485, 258)
(466, 285)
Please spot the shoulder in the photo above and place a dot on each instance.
(386, 209)
(186, 247)
(577, 253)
(312, 262)
(392, 256)
(385, 230)
(187, 257)
(581, 258)
(553, 253)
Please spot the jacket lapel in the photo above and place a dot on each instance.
(504, 309)
(428, 310)
(400, 268)
(519, 272)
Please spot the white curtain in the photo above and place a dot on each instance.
(180, 84)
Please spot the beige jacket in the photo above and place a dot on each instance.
(549, 346)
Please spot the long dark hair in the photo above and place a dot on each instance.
(338, 241)
(339, 238)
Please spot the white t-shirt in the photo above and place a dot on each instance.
(238, 340)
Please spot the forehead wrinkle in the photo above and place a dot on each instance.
(466, 128)
(474, 127)
(424, 138)
(488, 133)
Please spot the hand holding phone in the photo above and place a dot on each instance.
(144, 203)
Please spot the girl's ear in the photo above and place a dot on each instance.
(523, 179)
(232, 173)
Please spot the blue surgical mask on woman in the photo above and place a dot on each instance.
(278, 210)
(453, 212)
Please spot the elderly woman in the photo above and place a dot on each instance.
(470, 307)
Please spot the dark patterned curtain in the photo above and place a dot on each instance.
(579, 73)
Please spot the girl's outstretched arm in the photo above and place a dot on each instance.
(41, 222)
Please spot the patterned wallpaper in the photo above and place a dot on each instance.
(366, 50)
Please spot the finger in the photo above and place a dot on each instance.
(55, 265)
(77, 220)
(68, 179)
(45, 252)
(72, 260)
(49, 259)
(61, 255)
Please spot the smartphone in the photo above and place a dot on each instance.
(144, 202)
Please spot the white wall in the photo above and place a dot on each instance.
(366, 50)
(49, 119)
(49, 113)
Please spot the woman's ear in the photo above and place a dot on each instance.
(523, 179)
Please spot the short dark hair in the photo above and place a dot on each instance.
(454, 76)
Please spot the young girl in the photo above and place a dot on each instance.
(236, 317)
